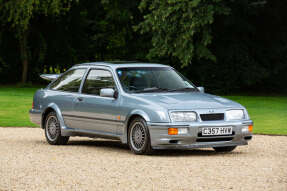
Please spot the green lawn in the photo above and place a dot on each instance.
(14, 106)
(269, 113)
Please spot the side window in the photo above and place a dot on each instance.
(70, 81)
(96, 80)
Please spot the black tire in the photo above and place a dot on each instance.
(53, 130)
(224, 149)
(139, 137)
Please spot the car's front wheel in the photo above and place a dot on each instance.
(138, 137)
(53, 130)
(224, 149)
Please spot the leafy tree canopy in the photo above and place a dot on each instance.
(181, 28)
(247, 38)
(19, 13)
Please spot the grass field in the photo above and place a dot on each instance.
(269, 113)
(14, 106)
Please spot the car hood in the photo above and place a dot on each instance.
(188, 100)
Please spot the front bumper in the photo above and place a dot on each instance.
(35, 116)
(193, 139)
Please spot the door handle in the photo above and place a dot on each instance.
(80, 99)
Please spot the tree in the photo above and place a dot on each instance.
(181, 28)
(111, 30)
(17, 15)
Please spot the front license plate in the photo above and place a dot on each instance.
(210, 131)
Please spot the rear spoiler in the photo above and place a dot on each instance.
(50, 77)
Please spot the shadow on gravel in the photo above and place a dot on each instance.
(111, 145)
(100, 143)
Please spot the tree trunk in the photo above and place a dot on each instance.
(24, 55)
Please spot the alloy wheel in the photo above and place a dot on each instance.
(138, 136)
(52, 128)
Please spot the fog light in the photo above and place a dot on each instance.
(177, 131)
(172, 131)
(246, 129)
(182, 131)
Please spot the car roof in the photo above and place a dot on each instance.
(121, 64)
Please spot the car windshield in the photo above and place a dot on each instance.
(153, 79)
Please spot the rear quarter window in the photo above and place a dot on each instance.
(70, 81)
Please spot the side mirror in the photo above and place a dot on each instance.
(108, 92)
(201, 89)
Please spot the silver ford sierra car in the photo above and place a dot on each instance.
(147, 106)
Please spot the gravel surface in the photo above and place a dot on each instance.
(27, 162)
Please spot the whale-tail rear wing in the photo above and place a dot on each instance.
(50, 77)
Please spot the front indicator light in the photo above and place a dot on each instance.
(172, 131)
(177, 131)
(250, 128)
(246, 129)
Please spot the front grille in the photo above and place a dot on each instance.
(212, 117)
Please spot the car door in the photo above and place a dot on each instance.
(63, 92)
(96, 113)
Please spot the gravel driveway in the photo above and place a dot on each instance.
(27, 162)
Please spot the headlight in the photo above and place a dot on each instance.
(235, 114)
(182, 116)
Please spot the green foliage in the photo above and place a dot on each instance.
(250, 47)
(247, 40)
(181, 28)
(18, 14)
(110, 25)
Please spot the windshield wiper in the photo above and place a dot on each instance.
(153, 89)
(183, 89)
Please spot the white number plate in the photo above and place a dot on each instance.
(209, 131)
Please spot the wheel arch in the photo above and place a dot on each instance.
(44, 115)
(134, 114)
(52, 107)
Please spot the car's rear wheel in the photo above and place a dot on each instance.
(138, 137)
(53, 130)
(224, 149)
